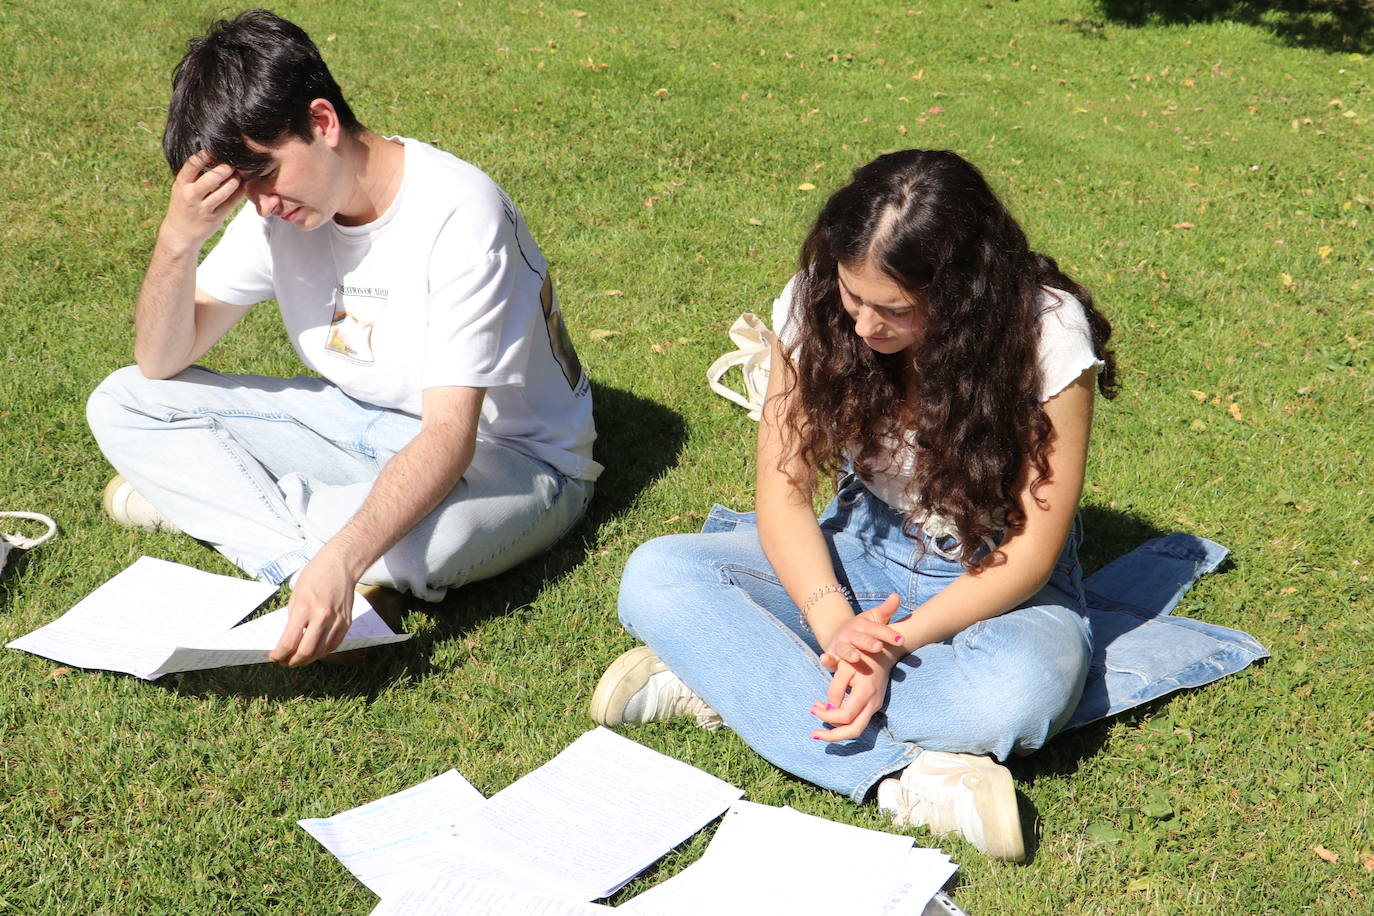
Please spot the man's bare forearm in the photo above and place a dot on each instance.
(165, 317)
(408, 488)
(170, 330)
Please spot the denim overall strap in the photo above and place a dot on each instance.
(1141, 650)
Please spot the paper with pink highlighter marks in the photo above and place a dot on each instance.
(158, 617)
(385, 842)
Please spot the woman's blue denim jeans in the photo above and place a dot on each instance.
(268, 469)
(711, 607)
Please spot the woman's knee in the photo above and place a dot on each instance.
(659, 578)
(1022, 677)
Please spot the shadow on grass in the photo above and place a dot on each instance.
(637, 441)
(18, 559)
(1326, 25)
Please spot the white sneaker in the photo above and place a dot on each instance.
(638, 687)
(962, 793)
(130, 508)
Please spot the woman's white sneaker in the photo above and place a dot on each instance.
(638, 687)
(963, 793)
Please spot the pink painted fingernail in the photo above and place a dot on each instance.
(899, 639)
(829, 706)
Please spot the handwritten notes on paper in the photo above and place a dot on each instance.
(763, 860)
(157, 617)
(456, 897)
(382, 841)
(593, 817)
(579, 827)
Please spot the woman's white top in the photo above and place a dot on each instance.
(1065, 353)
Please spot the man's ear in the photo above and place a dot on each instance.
(324, 122)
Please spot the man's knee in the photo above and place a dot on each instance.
(112, 397)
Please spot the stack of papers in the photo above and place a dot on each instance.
(581, 826)
(577, 828)
(157, 617)
(778, 860)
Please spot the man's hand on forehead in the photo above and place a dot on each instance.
(204, 192)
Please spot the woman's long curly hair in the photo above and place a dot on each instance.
(967, 394)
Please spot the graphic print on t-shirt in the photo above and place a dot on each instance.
(560, 341)
(356, 310)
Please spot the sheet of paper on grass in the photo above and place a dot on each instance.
(157, 617)
(387, 842)
(590, 819)
(456, 897)
(766, 859)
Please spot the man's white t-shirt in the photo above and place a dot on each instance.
(1065, 352)
(445, 288)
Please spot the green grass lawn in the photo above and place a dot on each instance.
(1206, 174)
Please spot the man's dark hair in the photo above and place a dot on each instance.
(250, 77)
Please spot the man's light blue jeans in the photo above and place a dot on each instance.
(266, 470)
(712, 609)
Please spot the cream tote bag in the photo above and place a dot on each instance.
(754, 349)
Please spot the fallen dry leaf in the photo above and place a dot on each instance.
(1200, 395)
(1183, 225)
(660, 92)
(1289, 590)
(1234, 410)
(614, 292)
(806, 186)
(601, 334)
(1368, 863)
(1324, 252)
(656, 348)
(1326, 855)
(755, 222)
(1287, 279)
(59, 672)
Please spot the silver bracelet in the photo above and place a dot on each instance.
(817, 595)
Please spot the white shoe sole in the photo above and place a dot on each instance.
(115, 501)
(623, 679)
(994, 798)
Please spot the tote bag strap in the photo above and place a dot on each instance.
(26, 543)
(754, 342)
